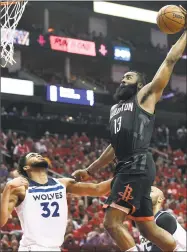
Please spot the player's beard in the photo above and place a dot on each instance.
(125, 92)
(40, 164)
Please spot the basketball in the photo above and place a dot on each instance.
(170, 19)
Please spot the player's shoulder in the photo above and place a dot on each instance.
(19, 189)
(19, 192)
(113, 107)
(165, 218)
(164, 214)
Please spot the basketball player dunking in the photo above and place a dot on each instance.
(166, 221)
(41, 203)
(131, 127)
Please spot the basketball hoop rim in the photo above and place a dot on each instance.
(10, 10)
(3, 3)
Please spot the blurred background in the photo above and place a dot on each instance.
(70, 58)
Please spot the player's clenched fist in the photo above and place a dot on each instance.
(17, 182)
(81, 175)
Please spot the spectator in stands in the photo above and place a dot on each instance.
(47, 135)
(68, 240)
(2, 135)
(84, 138)
(3, 173)
(24, 112)
(163, 136)
(182, 132)
(181, 221)
(89, 119)
(13, 237)
(14, 248)
(4, 243)
(40, 146)
(99, 120)
(105, 239)
(95, 207)
(15, 224)
(14, 244)
(81, 208)
(93, 237)
(30, 143)
(179, 158)
(182, 137)
(3, 111)
(14, 112)
(70, 227)
(11, 142)
(3, 147)
(21, 148)
(79, 118)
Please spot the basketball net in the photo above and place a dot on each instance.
(11, 12)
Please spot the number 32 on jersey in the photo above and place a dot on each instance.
(117, 124)
(50, 209)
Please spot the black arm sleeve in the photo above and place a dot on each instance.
(167, 222)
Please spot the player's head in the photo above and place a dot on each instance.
(31, 162)
(157, 196)
(131, 83)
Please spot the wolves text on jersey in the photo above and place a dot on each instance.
(49, 196)
(124, 107)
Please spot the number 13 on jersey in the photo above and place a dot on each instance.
(117, 124)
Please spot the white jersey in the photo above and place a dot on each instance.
(43, 214)
(179, 236)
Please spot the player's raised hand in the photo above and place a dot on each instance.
(17, 182)
(184, 11)
(81, 175)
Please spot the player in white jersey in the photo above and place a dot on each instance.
(166, 221)
(41, 203)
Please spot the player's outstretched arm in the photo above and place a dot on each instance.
(106, 157)
(155, 88)
(9, 198)
(88, 189)
(163, 75)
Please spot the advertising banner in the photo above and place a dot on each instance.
(70, 45)
(21, 37)
(17, 87)
(70, 95)
(122, 53)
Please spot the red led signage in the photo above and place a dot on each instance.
(70, 45)
(103, 51)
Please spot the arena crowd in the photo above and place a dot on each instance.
(65, 154)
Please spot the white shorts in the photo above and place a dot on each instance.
(38, 248)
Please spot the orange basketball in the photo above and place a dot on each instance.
(170, 19)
